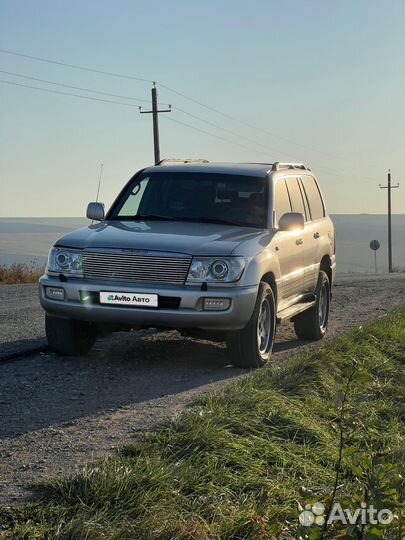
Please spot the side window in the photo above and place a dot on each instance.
(294, 190)
(314, 197)
(281, 199)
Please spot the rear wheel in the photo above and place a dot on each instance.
(69, 337)
(251, 347)
(312, 323)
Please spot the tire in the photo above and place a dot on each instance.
(313, 323)
(251, 347)
(69, 337)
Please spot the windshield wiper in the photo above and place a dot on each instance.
(220, 221)
(147, 217)
(200, 219)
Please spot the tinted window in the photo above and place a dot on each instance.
(314, 197)
(295, 195)
(187, 196)
(281, 200)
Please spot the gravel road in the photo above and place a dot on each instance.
(56, 413)
(21, 320)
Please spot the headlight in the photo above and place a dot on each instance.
(65, 261)
(224, 269)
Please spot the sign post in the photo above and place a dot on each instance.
(374, 245)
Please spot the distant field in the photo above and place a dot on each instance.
(23, 240)
(27, 240)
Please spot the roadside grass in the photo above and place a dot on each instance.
(20, 273)
(242, 463)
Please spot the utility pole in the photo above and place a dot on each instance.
(155, 116)
(389, 187)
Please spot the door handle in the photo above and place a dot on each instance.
(316, 235)
(299, 241)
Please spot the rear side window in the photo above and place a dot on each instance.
(294, 190)
(281, 200)
(314, 197)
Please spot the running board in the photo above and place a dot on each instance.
(294, 310)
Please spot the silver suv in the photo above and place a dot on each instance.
(224, 249)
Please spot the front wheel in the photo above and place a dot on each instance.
(251, 347)
(69, 337)
(312, 323)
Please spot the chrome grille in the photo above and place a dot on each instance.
(127, 265)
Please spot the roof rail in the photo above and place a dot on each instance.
(278, 165)
(256, 163)
(168, 161)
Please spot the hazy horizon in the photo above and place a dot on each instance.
(25, 239)
(84, 217)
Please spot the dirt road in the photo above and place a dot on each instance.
(56, 413)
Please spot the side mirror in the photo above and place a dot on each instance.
(95, 210)
(291, 221)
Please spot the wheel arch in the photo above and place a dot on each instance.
(270, 278)
(326, 266)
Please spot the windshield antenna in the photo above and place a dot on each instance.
(98, 187)
(99, 181)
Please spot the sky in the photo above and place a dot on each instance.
(318, 81)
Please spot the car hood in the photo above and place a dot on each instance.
(180, 237)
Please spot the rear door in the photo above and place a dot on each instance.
(305, 248)
(317, 229)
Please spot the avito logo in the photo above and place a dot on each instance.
(116, 298)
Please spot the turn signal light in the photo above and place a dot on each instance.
(55, 293)
(216, 304)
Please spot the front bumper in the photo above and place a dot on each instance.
(188, 311)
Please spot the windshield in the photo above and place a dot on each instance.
(201, 197)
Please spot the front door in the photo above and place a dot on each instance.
(288, 247)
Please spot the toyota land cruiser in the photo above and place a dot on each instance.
(230, 249)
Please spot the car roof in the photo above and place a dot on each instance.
(248, 169)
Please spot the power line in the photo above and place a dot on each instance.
(123, 104)
(73, 87)
(328, 169)
(74, 66)
(213, 135)
(213, 124)
(208, 122)
(69, 94)
(48, 90)
(93, 70)
(242, 122)
(181, 94)
(170, 89)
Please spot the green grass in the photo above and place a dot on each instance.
(238, 464)
(20, 273)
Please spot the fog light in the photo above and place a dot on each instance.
(216, 304)
(56, 293)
